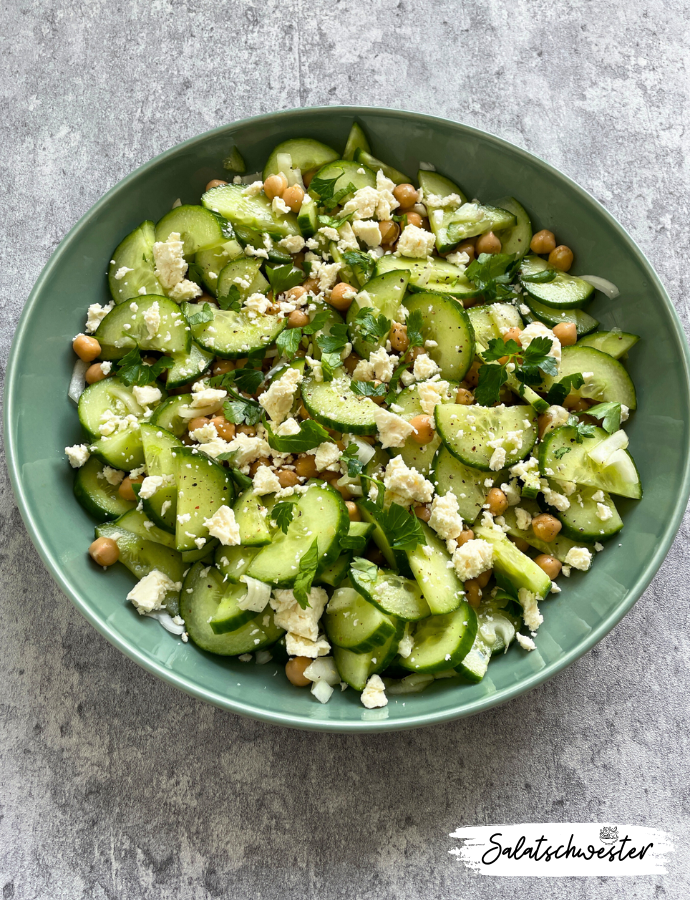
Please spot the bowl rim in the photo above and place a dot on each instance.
(131, 650)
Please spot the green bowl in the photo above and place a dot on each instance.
(40, 420)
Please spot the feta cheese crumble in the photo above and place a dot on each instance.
(222, 525)
(278, 399)
(374, 694)
(473, 558)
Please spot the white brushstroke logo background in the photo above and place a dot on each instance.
(558, 850)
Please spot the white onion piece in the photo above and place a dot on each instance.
(365, 452)
(603, 451)
(257, 596)
(427, 167)
(77, 382)
(262, 657)
(166, 621)
(250, 179)
(322, 691)
(323, 669)
(601, 284)
(177, 203)
(412, 684)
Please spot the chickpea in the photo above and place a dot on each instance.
(413, 218)
(390, 232)
(303, 412)
(353, 511)
(549, 564)
(86, 348)
(94, 374)
(575, 404)
(287, 478)
(311, 285)
(207, 298)
(293, 197)
(350, 363)
(472, 376)
(520, 543)
(405, 194)
(543, 423)
(464, 397)
(414, 353)
(307, 177)
(561, 258)
(473, 593)
(199, 422)
(488, 243)
(342, 296)
(498, 502)
(513, 334)
(297, 319)
(483, 579)
(344, 491)
(297, 292)
(223, 366)
(249, 430)
(305, 466)
(256, 465)
(468, 248)
(466, 535)
(275, 185)
(566, 332)
(425, 432)
(298, 260)
(542, 242)
(126, 491)
(374, 555)
(214, 183)
(546, 527)
(225, 429)
(328, 476)
(294, 669)
(104, 551)
(398, 337)
(422, 512)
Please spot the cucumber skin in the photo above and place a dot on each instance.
(306, 153)
(552, 317)
(102, 510)
(604, 339)
(356, 140)
(364, 427)
(619, 387)
(513, 565)
(456, 332)
(467, 619)
(376, 638)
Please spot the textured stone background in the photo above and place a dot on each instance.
(112, 784)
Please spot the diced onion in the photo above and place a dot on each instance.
(257, 596)
(601, 284)
(601, 453)
(166, 621)
(250, 179)
(262, 657)
(427, 167)
(412, 684)
(177, 203)
(77, 382)
(322, 691)
(323, 669)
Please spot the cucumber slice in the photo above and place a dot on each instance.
(564, 292)
(563, 458)
(229, 616)
(167, 414)
(247, 237)
(158, 445)
(433, 183)
(347, 172)
(335, 405)
(356, 140)
(358, 535)
(434, 275)
(515, 239)
(551, 317)
(137, 522)
(581, 521)
(210, 263)
(364, 157)
(116, 340)
(107, 395)
(513, 567)
(306, 154)
(609, 382)
(442, 641)
(233, 335)
(234, 562)
(559, 547)
(440, 585)
(135, 253)
(384, 295)
(308, 217)
(456, 225)
(449, 474)
(121, 451)
(391, 593)
(446, 322)
(198, 228)
(203, 486)
(156, 510)
(337, 572)
(414, 454)
(474, 666)
(253, 212)
(369, 513)
(252, 522)
(615, 343)
(500, 620)
(356, 669)
(200, 600)
(188, 367)
(467, 430)
(320, 514)
(98, 497)
(245, 275)
(356, 624)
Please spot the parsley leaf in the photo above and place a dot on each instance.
(560, 390)
(369, 327)
(288, 341)
(403, 529)
(231, 300)
(368, 389)
(334, 221)
(499, 348)
(560, 453)
(131, 369)
(491, 380)
(374, 505)
(366, 571)
(283, 513)
(414, 328)
(308, 565)
(205, 314)
(324, 189)
(335, 340)
(610, 415)
(282, 278)
(351, 458)
(492, 273)
(395, 379)
(329, 363)
(356, 542)
(363, 261)
(536, 356)
(317, 323)
(241, 411)
(311, 434)
(582, 429)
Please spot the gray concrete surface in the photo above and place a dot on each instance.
(112, 784)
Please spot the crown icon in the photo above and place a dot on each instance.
(609, 834)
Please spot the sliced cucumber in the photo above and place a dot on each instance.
(347, 172)
(321, 515)
(467, 431)
(134, 254)
(234, 335)
(356, 669)
(354, 623)
(615, 343)
(446, 322)
(356, 140)
(161, 508)
(475, 664)
(442, 641)
(200, 600)
(335, 405)
(607, 382)
(512, 568)
(517, 238)
(203, 486)
(188, 367)
(551, 317)
(440, 585)
(198, 228)
(95, 493)
(358, 535)
(363, 156)
(563, 458)
(564, 292)
(391, 593)
(167, 414)
(137, 522)
(370, 514)
(252, 519)
(582, 522)
(449, 474)
(308, 217)
(125, 328)
(247, 237)
(251, 211)
(438, 185)
(234, 562)
(229, 615)
(109, 395)
(434, 275)
(559, 547)
(306, 155)
(457, 225)
(421, 456)
(337, 572)
(210, 263)
(245, 275)
(121, 451)
(384, 295)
